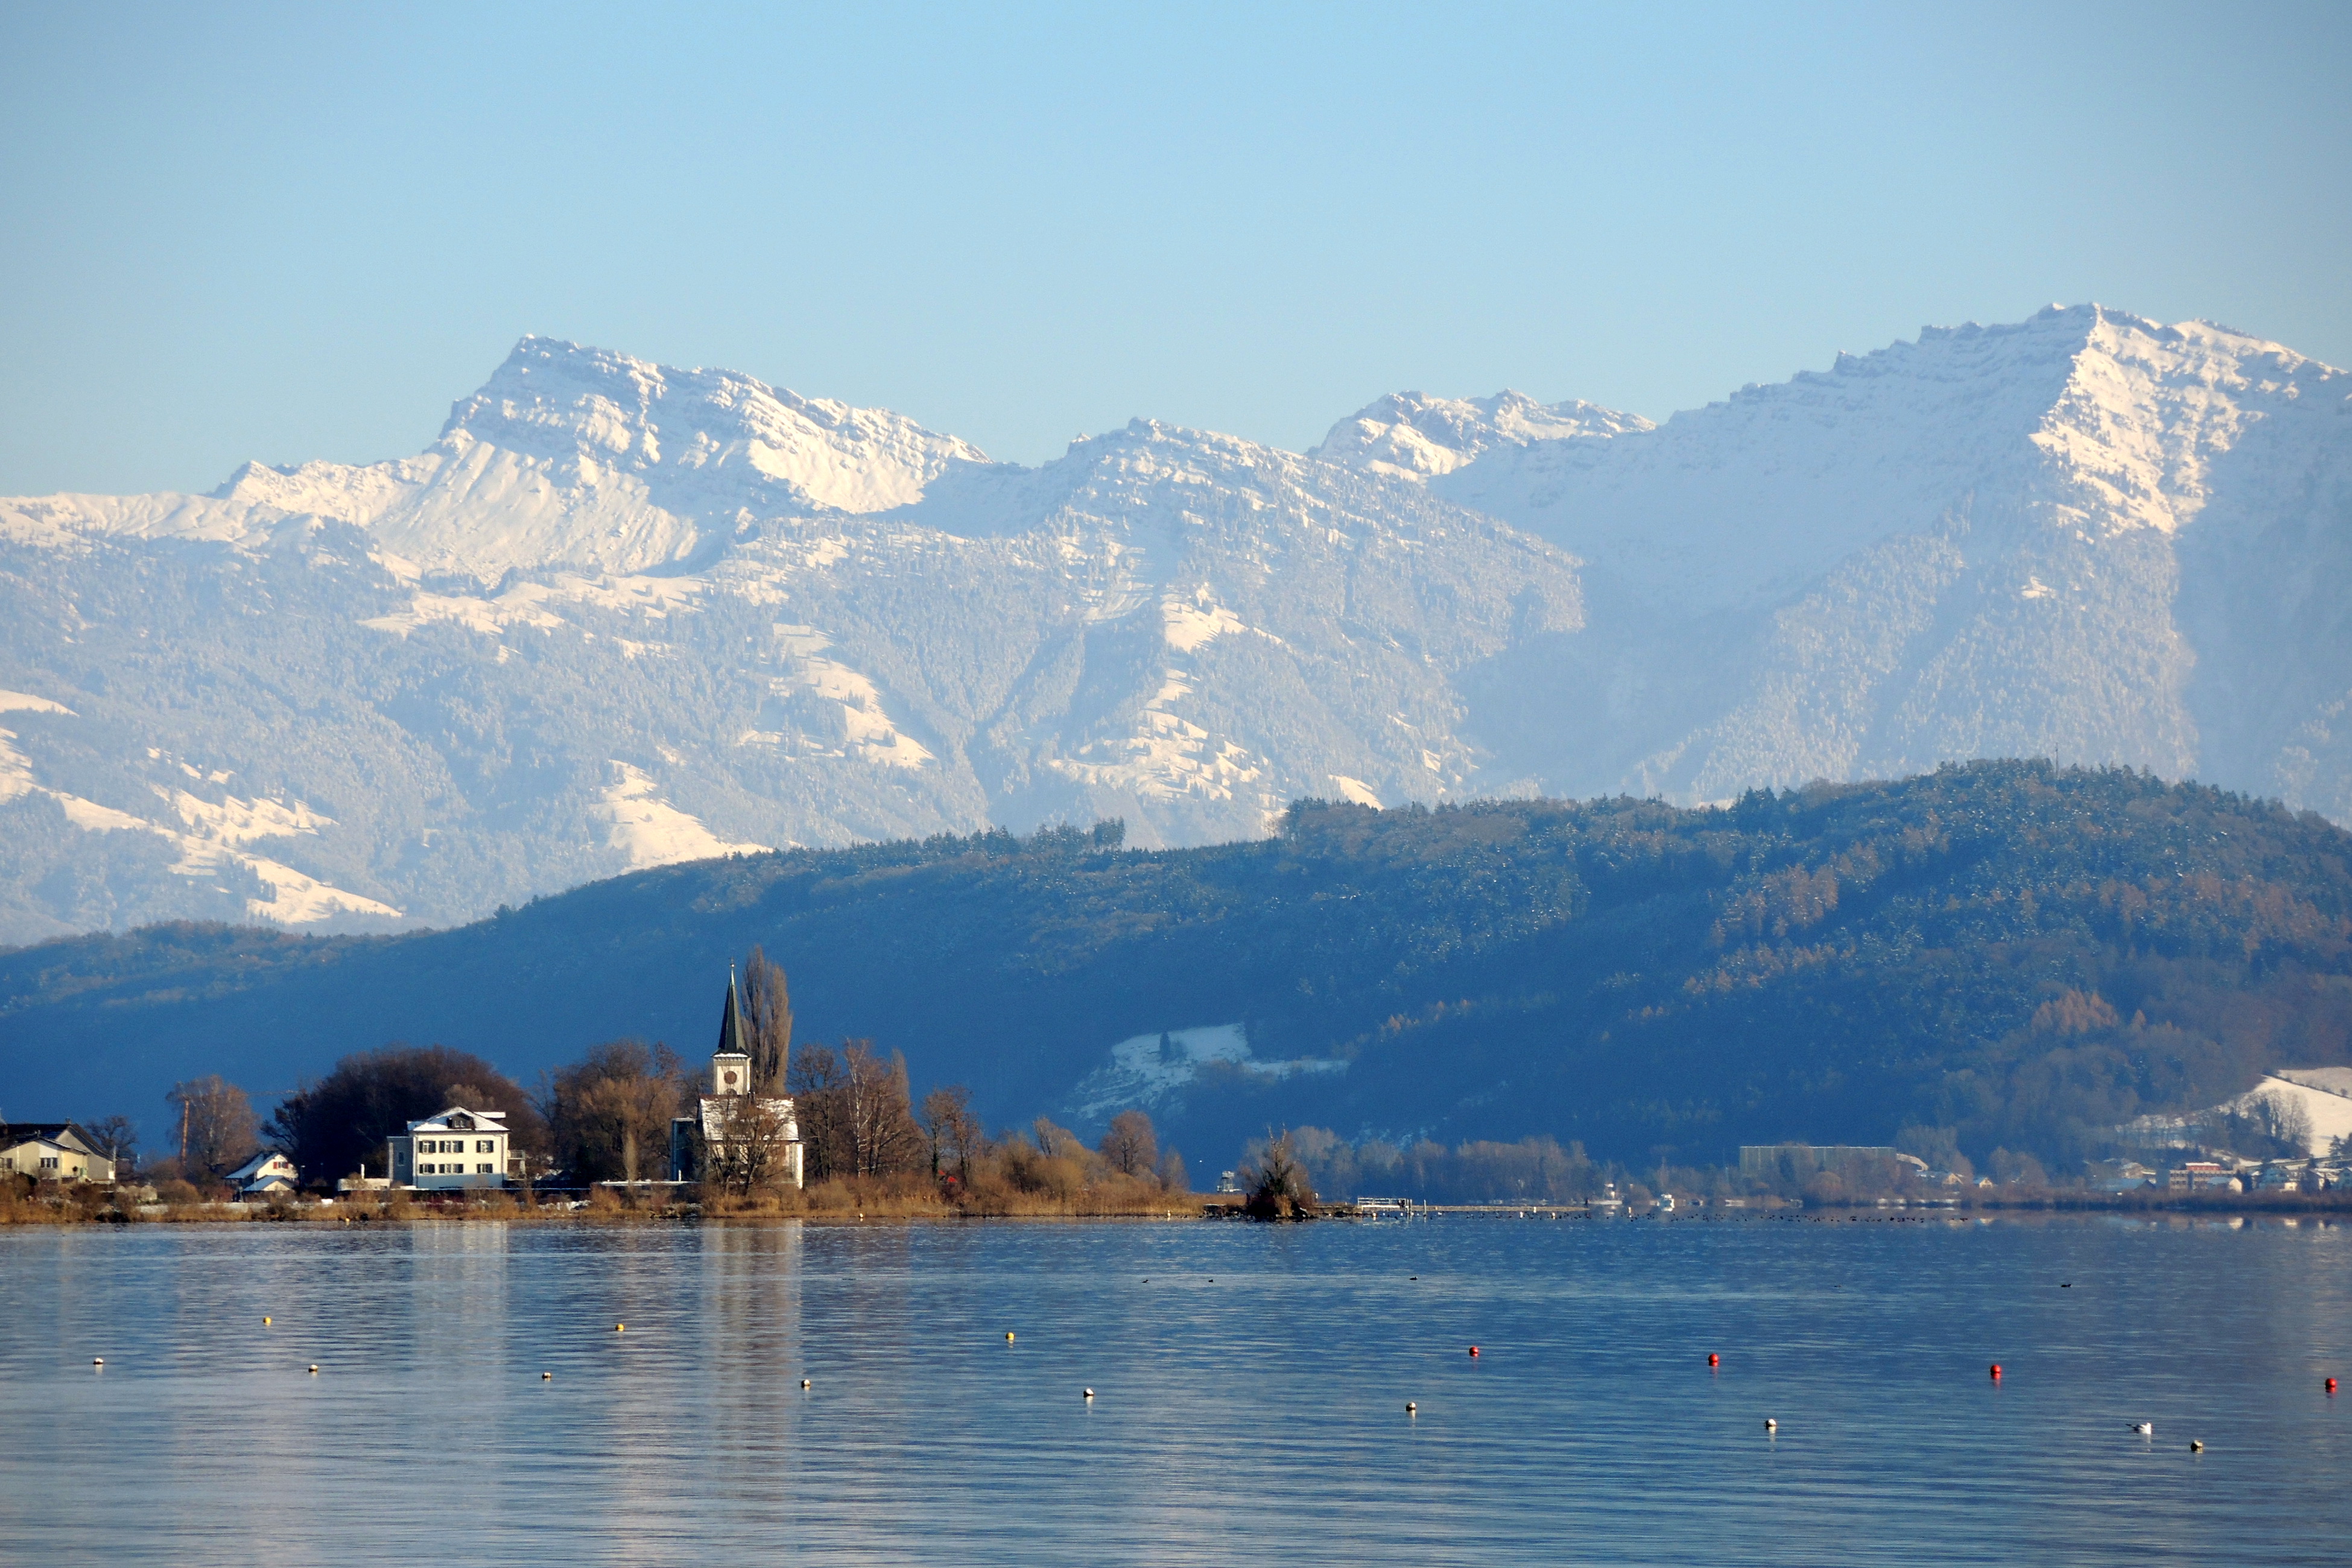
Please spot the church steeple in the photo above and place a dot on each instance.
(731, 1065)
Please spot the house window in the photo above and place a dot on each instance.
(484, 1169)
(483, 1145)
(49, 1163)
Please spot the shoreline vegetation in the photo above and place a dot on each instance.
(903, 1200)
(601, 1138)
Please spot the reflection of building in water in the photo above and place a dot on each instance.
(737, 1135)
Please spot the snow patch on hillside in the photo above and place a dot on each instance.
(1188, 625)
(2316, 1093)
(23, 702)
(856, 723)
(1163, 756)
(1147, 1070)
(651, 832)
(293, 897)
(239, 822)
(1411, 436)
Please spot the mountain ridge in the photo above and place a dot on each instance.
(619, 614)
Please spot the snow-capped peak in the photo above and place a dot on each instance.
(563, 403)
(1413, 435)
(568, 458)
(2080, 416)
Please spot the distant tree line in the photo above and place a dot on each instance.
(607, 1118)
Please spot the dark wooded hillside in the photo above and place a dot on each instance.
(2022, 953)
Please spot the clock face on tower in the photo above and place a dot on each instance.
(731, 1078)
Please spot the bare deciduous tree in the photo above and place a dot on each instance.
(815, 1082)
(1130, 1146)
(218, 1131)
(744, 1147)
(118, 1140)
(611, 1111)
(882, 1121)
(1057, 1142)
(952, 1130)
(1278, 1185)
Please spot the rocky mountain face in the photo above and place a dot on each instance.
(2085, 537)
(620, 615)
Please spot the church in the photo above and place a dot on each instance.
(736, 1134)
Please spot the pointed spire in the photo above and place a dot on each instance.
(731, 1023)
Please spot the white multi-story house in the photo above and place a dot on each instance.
(458, 1148)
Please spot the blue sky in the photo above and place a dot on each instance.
(294, 232)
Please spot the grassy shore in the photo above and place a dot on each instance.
(899, 1197)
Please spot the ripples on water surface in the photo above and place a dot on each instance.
(1251, 1387)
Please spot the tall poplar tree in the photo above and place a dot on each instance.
(767, 1022)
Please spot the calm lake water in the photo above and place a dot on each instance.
(1251, 1385)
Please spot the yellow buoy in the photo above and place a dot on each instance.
(265, 1322)
(1008, 1336)
(620, 1328)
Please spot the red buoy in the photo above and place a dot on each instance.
(1713, 1359)
(2331, 1385)
(1474, 1350)
(1996, 1371)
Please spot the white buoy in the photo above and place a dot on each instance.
(547, 1377)
(1090, 1394)
(1771, 1424)
(1411, 1408)
(805, 1382)
(314, 1367)
(2144, 1428)
(2196, 1446)
(98, 1361)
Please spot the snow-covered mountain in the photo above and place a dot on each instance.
(2086, 536)
(619, 615)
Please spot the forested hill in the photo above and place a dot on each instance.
(2025, 955)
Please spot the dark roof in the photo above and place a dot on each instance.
(730, 1022)
(12, 1132)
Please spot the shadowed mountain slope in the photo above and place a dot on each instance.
(2024, 954)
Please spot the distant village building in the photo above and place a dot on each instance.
(735, 1130)
(266, 1173)
(52, 1151)
(2202, 1176)
(458, 1148)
